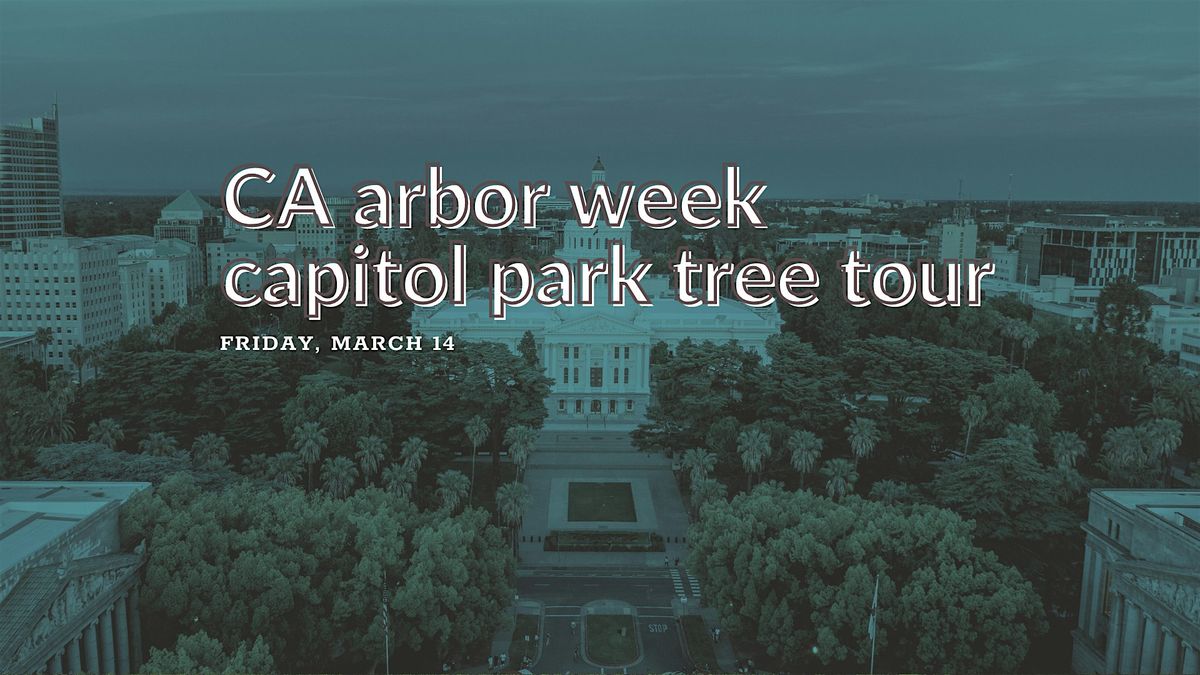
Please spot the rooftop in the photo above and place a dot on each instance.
(1180, 508)
(34, 513)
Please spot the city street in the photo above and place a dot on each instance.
(563, 593)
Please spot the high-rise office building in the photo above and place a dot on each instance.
(30, 179)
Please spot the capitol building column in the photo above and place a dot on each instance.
(74, 659)
(122, 635)
(108, 652)
(91, 652)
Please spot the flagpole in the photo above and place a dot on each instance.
(871, 627)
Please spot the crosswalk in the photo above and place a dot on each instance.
(694, 585)
(683, 582)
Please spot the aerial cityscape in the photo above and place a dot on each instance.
(191, 483)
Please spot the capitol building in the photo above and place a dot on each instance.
(599, 357)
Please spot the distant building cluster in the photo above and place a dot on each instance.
(1060, 268)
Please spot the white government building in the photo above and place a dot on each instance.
(599, 357)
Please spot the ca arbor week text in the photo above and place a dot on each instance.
(374, 276)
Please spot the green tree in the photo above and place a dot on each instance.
(307, 571)
(840, 477)
(699, 464)
(209, 449)
(199, 653)
(309, 441)
(1161, 438)
(1016, 398)
(452, 489)
(512, 500)
(106, 432)
(863, 434)
(805, 450)
(520, 441)
(339, 474)
(528, 350)
(413, 453)
(399, 480)
(371, 450)
(891, 492)
(159, 444)
(754, 447)
(477, 432)
(972, 410)
(790, 571)
(1066, 448)
(704, 491)
(1122, 309)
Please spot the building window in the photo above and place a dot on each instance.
(628, 405)
(627, 352)
(612, 405)
(616, 352)
(597, 377)
(577, 352)
(566, 352)
(596, 406)
(562, 405)
(626, 376)
(566, 371)
(575, 374)
(616, 375)
(578, 406)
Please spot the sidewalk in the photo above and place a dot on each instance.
(726, 656)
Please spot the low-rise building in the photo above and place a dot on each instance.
(67, 284)
(1189, 352)
(21, 344)
(68, 590)
(1139, 608)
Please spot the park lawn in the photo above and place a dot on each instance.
(527, 624)
(605, 502)
(606, 646)
(699, 643)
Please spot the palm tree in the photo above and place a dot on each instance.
(840, 477)
(399, 479)
(44, 338)
(890, 492)
(1066, 448)
(511, 501)
(755, 448)
(370, 456)
(704, 491)
(1157, 407)
(283, 469)
(308, 440)
(520, 440)
(806, 448)
(78, 356)
(452, 489)
(477, 433)
(210, 450)
(863, 434)
(1161, 439)
(1122, 449)
(159, 444)
(699, 463)
(106, 432)
(973, 410)
(413, 452)
(1028, 336)
(339, 474)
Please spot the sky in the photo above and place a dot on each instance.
(1086, 100)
